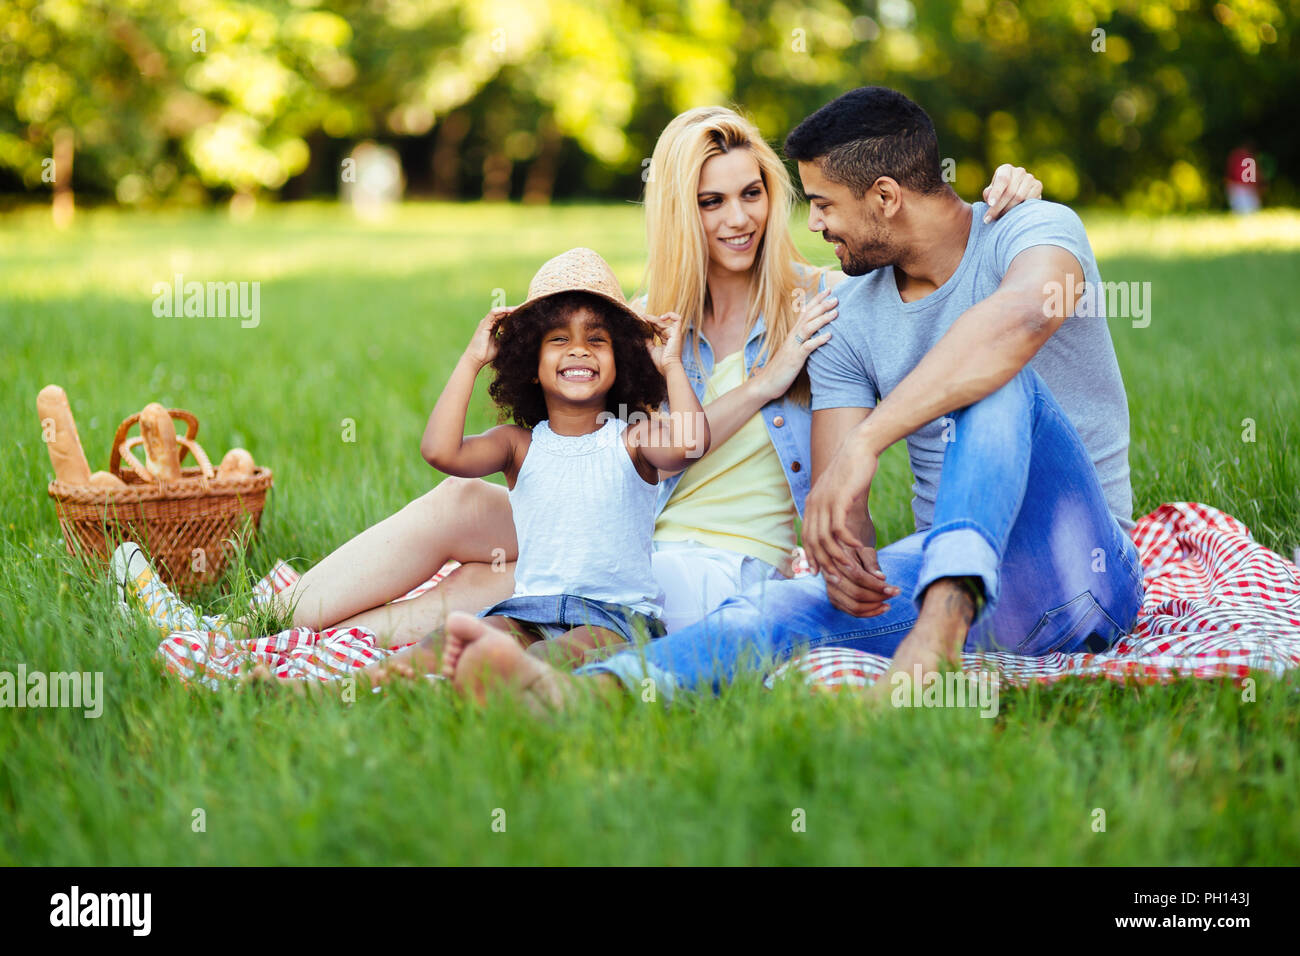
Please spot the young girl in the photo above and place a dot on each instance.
(571, 364)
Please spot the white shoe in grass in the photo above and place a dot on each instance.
(126, 563)
(136, 580)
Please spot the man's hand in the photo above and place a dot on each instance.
(839, 537)
(862, 590)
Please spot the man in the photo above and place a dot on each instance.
(979, 346)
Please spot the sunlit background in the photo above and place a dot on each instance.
(1151, 105)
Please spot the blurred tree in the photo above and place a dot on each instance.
(1109, 101)
(168, 96)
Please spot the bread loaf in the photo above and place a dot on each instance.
(106, 480)
(238, 463)
(59, 430)
(160, 445)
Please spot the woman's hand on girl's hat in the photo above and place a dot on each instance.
(483, 345)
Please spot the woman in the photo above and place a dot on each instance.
(720, 254)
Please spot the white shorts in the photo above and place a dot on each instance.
(695, 579)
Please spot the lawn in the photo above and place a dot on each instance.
(361, 323)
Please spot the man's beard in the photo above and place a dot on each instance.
(858, 262)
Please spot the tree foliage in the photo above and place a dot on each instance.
(1131, 101)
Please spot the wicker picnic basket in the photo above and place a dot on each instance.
(184, 526)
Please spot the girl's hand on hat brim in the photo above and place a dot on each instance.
(661, 326)
(483, 345)
(672, 349)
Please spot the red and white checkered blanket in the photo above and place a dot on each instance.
(1216, 604)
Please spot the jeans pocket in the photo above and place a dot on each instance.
(1072, 621)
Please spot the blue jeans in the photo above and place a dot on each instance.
(1019, 506)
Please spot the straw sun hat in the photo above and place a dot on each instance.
(580, 270)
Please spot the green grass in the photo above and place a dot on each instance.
(363, 322)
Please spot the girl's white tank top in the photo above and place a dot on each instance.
(584, 518)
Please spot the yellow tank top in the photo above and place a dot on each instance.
(735, 497)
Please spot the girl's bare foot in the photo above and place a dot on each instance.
(415, 661)
(262, 680)
(479, 659)
(260, 674)
(453, 644)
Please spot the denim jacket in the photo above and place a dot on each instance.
(789, 424)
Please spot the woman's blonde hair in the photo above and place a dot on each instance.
(676, 277)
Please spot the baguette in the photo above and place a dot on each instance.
(238, 463)
(59, 430)
(163, 456)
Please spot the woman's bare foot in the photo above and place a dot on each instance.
(479, 659)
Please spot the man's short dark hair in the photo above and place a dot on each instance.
(867, 133)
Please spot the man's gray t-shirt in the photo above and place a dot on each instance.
(878, 339)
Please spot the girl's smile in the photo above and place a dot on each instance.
(576, 362)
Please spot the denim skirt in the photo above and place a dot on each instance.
(554, 614)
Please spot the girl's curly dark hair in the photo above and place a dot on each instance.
(638, 385)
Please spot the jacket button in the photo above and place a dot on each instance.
(778, 421)
(795, 466)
